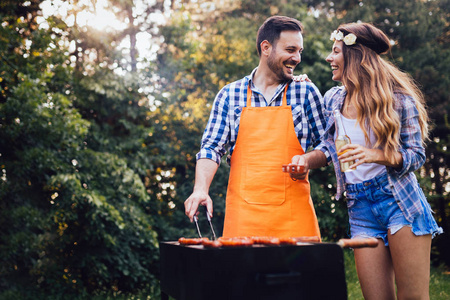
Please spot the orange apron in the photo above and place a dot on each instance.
(261, 199)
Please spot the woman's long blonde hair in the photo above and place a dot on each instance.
(371, 83)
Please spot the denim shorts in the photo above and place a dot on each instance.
(372, 211)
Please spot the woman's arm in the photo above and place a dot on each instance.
(411, 154)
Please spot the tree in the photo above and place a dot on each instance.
(74, 204)
(97, 144)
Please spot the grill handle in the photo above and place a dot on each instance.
(271, 279)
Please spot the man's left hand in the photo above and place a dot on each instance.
(298, 168)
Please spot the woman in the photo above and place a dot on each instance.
(384, 116)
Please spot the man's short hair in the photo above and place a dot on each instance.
(270, 30)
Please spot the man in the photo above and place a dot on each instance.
(277, 120)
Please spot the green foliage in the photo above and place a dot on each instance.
(74, 204)
(95, 166)
(351, 277)
(331, 214)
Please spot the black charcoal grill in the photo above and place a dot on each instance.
(306, 271)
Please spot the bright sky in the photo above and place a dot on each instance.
(100, 18)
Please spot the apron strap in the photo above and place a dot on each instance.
(249, 95)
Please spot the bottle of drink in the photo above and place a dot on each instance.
(341, 140)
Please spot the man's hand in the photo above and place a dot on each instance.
(299, 167)
(196, 199)
(301, 164)
(204, 173)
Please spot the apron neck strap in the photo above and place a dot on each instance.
(249, 95)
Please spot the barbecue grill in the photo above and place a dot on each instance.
(304, 271)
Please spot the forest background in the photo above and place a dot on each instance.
(98, 135)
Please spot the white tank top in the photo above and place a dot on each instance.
(365, 171)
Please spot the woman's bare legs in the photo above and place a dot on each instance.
(408, 257)
(375, 272)
(411, 260)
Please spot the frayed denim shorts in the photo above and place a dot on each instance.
(372, 211)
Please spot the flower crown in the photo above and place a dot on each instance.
(349, 39)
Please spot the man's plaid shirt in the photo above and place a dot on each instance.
(221, 132)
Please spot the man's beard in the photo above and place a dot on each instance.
(276, 69)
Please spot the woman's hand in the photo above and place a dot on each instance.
(361, 155)
(302, 77)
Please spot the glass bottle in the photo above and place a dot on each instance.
(341, 140)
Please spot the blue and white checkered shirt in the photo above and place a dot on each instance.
(405, 188)
(221, 132)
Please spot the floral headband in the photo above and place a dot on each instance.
(349, 39)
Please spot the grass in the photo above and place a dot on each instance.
(353, 289)
(439, 280)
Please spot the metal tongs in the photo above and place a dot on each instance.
(210, 225)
